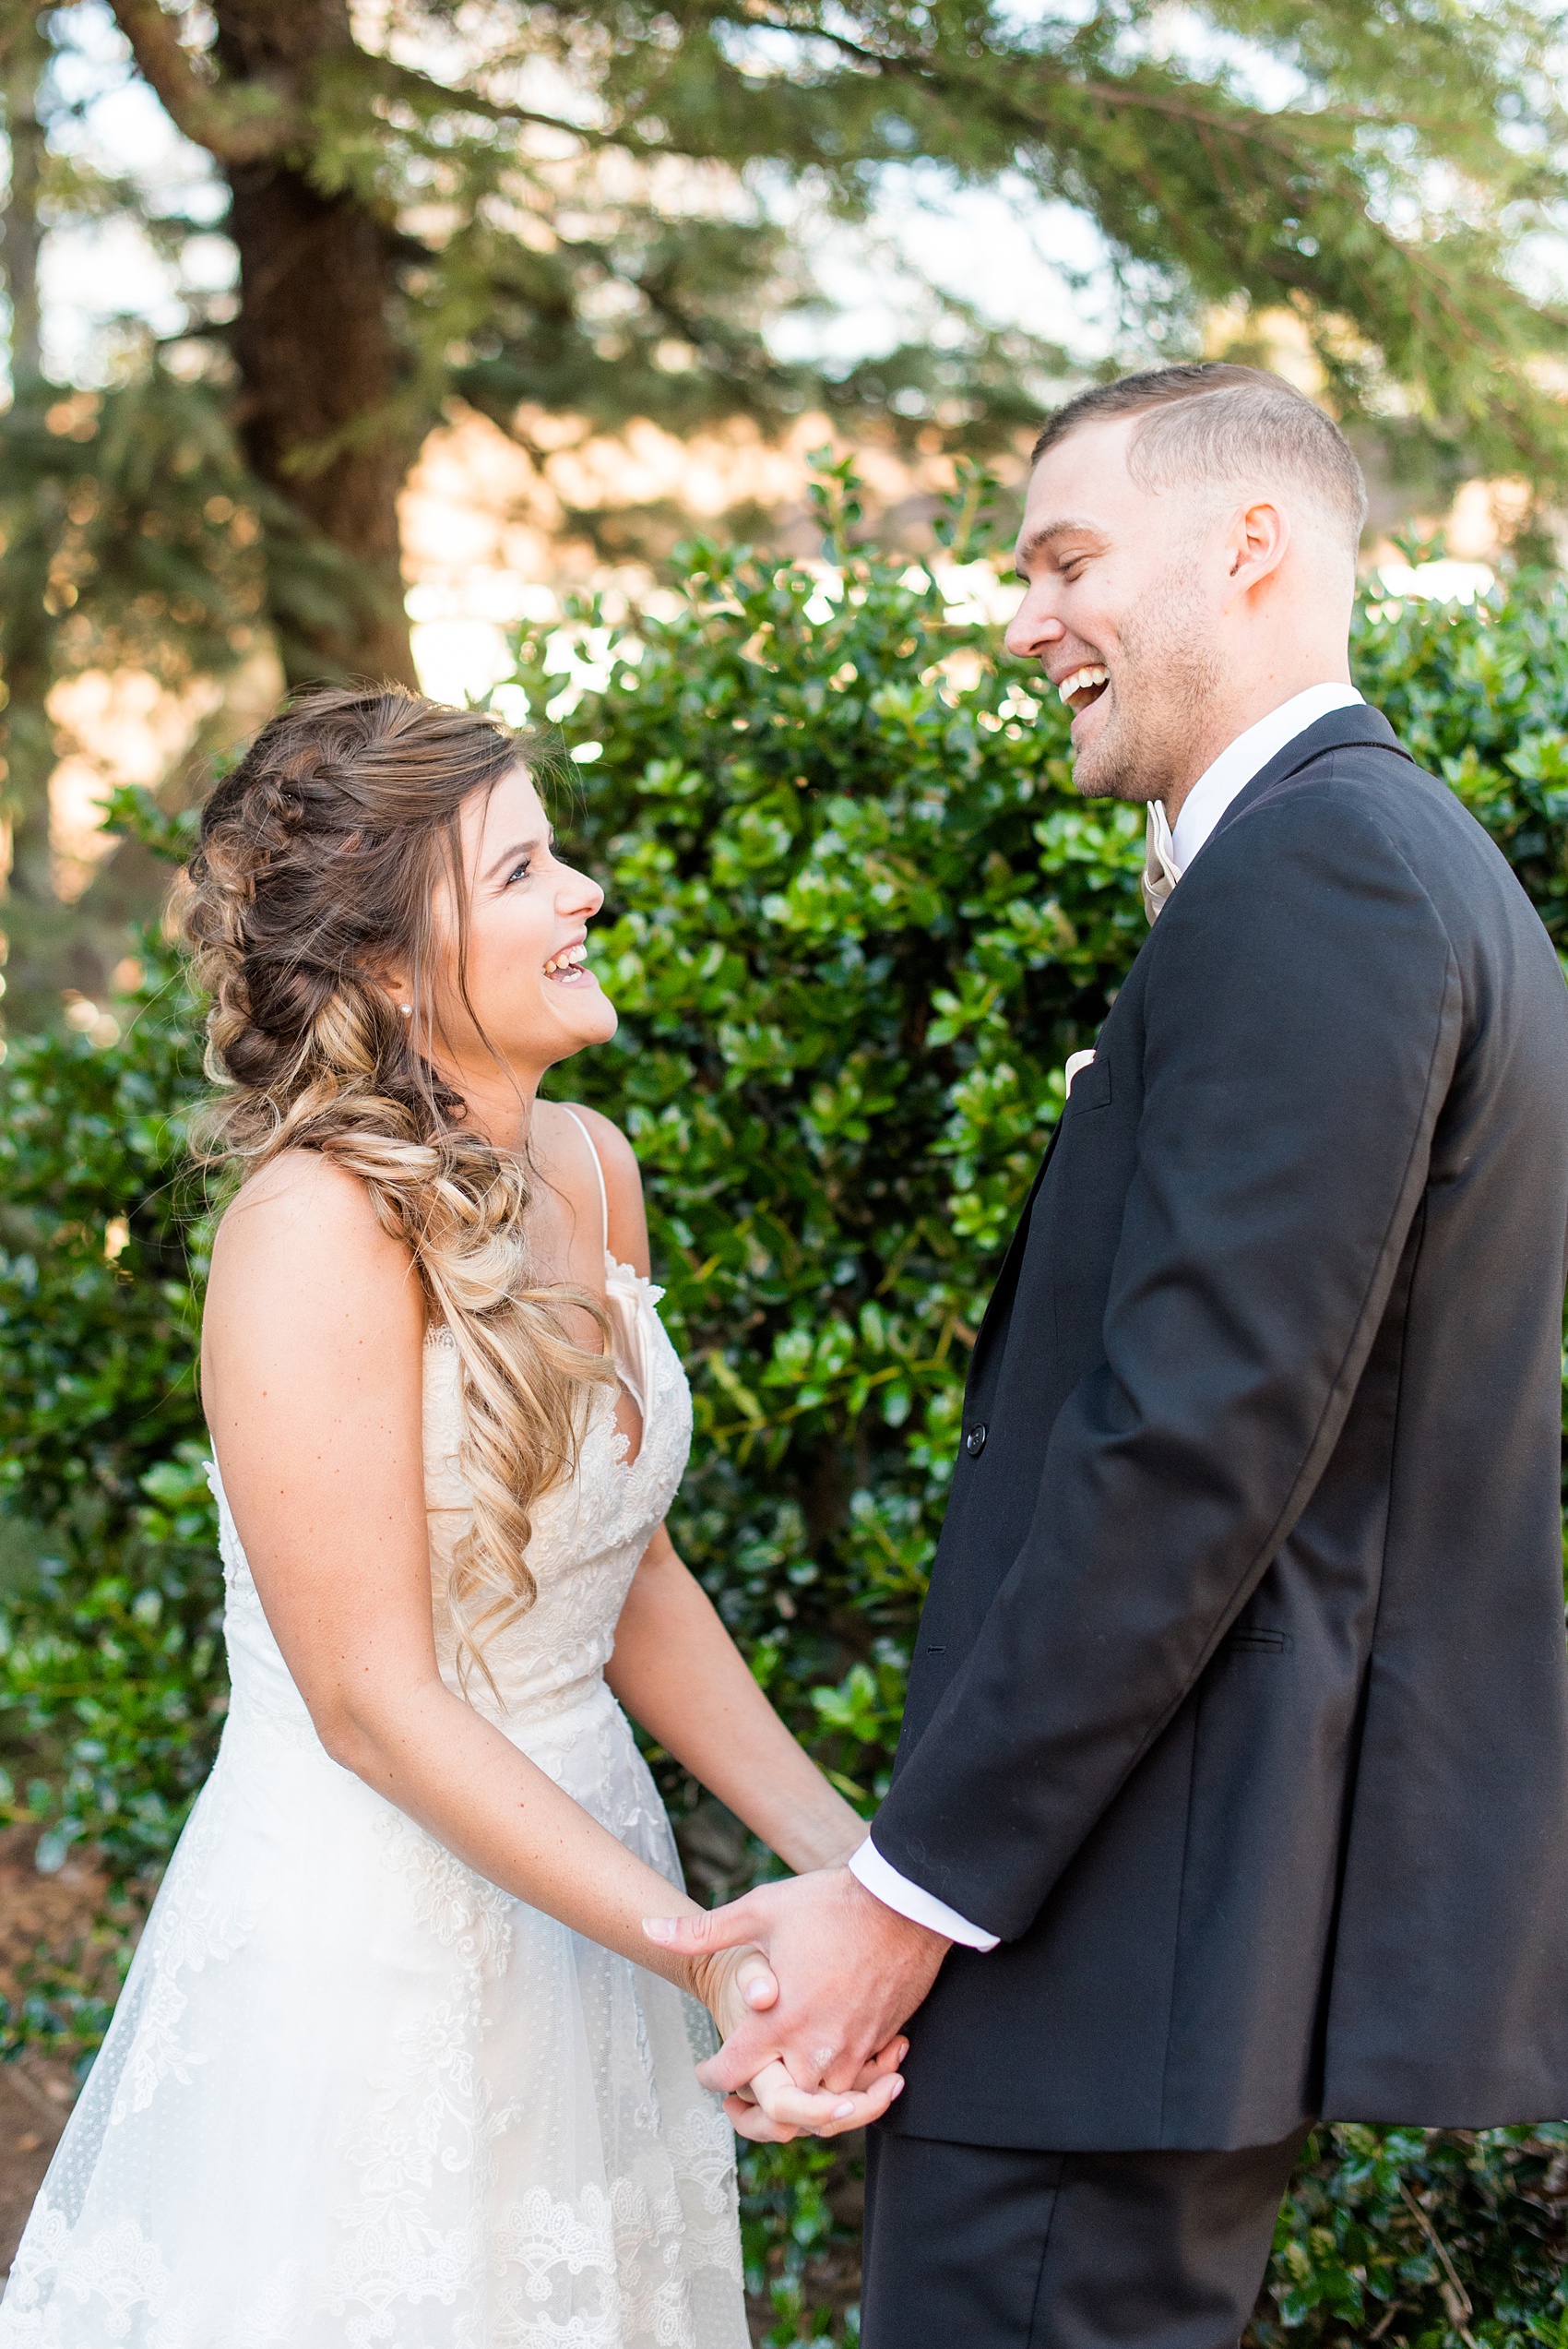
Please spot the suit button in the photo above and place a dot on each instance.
(974, 1442)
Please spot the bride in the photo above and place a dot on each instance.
(395, 2062)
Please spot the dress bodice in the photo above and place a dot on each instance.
(588, 1534)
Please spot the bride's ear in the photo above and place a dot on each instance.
(398, 987)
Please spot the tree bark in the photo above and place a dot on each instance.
(317, 360)
(27, 738)
(26, 60)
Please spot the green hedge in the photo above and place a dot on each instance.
(856, 920)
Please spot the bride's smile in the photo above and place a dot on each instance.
(506, 991)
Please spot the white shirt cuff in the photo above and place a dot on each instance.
(896, 1892)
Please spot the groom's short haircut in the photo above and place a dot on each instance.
(1230, 426)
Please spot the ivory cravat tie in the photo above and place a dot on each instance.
(1161, 871)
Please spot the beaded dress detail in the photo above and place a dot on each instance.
(354, 2093)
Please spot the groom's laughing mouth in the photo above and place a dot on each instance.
(1083, 687)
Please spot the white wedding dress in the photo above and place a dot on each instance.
(354, 2093)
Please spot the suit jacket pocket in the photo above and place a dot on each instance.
(1091, 1086)
(1256, 1640)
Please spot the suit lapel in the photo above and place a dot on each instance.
(1007, 1279)
(1340, 729)
(1001, 1301)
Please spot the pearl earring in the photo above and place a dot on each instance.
(407, 1010)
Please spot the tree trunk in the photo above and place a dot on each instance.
(27, 738)
(26, 60)
(318, 366)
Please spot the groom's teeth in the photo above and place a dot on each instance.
(1081, 680)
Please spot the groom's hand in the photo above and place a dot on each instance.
(850, 1972)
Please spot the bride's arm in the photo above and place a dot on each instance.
(675, 1667)
(678, 1671)
(312, 1372)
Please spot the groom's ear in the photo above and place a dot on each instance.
(1256, 543)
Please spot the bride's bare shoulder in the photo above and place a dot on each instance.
(304, 1219)
(314, 1321)
(622, 1184)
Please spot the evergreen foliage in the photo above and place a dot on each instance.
(591, 210)
(856, 919)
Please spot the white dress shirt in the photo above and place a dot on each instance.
(1170, 854)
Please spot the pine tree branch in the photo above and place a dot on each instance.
(1225, 132)
(235, 126)
(938, 76)
(430, 96)
(1287, 134)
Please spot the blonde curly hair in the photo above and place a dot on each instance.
(322, 861)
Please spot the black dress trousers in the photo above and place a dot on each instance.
(982, 2247)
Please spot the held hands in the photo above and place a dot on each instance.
(845, 1974)
(735, 1984)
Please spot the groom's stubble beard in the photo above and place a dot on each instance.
(1165, 684)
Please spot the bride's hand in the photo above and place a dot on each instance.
(771, 2109)
(736, 1984)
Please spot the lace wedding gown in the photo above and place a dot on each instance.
(354, 2093)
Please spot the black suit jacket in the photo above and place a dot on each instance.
(1240, 1704)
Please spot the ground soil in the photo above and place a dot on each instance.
(43, 1920)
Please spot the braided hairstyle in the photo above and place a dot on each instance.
(322, 861)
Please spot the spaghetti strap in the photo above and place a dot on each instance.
(598, 1169)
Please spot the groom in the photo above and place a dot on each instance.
(1233, 1785)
